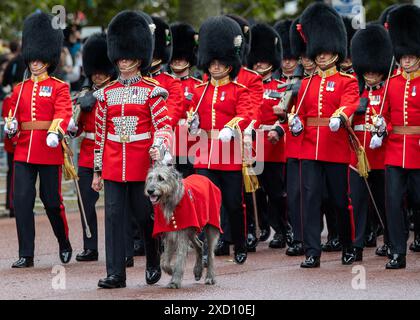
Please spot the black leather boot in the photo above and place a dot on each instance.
(112, 282)
(23, 262)
(332, 245)
(295, 250)
(311, 262)
(87, 255)
(348, 256)
(222, 248)
(278, 241)
(397, 262)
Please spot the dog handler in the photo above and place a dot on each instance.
(132, 122)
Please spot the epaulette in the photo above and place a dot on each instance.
(151, 81)
(22, 82)
(59, 80)
(347, 75)
(395, 75)
(201, 84)
(252, 71)
(171, 75)
(239, 84)
(196, 79)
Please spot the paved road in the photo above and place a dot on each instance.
(268, 274)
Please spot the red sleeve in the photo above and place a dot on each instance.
(100, 132)
(160, 115)
(349, 101)
(256, 92)
(13, 101)
(62, 110)
(244, 108)
(175, 101)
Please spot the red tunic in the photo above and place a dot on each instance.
(182, 144)
(362, 124)
(133, 114)
(221, 103)
(9, 144)
(329, 91)
(403, 107)
(87, 127)
(199, 206)
(253, 81)
(272, 152)
(44, 100)
(174, 103)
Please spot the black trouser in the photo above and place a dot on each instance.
(230, 184)
(272, 180)
(9, 182)
(399, 183)
(294, 198)
(327, 209)
(134, 231)
(24, 201)
(314, 174)
(362, 205)
(89, 198)
(117, 195)
(263, 221)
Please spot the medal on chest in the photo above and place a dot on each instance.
(223, 96)
(414, 91)
(375, 100)
(45, 91)
(330, 86)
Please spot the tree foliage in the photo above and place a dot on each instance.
(100, 12)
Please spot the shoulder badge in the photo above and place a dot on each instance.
(171, 75)
(151, 81)
(348, 75)
(58, 80)
(198, 80)
(252, 71)
(201, 84)
(239, 84)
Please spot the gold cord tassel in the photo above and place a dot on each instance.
(68, 167)
(250, 179)
(362, 162)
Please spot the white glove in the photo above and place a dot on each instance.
(226, 134)
(52, 140)
(167, 159)
(11, 127)
(295, 124)
(194, 124)
(379, 123)
(72, 128)
(335, 124)
(376, 142)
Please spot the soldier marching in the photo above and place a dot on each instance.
(330, 114)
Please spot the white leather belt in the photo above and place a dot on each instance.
(363, 127)
(129, 138)
(88, 135)
(266, 127)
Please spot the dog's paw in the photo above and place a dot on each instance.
(173, 285)
(210, 281)
(198, 271)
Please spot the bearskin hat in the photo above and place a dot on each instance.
(163, 41)
(384, 17)
(350, 33)
(404, 29)
(184, 42)
(283, 29)
(324, 31)
(266, 46)
(220, 38)
(371, 50)
(297, 45)
(246, 30)
(95, 56)
(40, 41)
(130, 36)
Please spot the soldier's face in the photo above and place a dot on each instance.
(326, 60)
(99, 79)
(289, 65)
(37, 67)
(307, 63)
(178, 65)
(128, 65)
(218, 70)
(372, 78)
(262, 67)
(410, 63)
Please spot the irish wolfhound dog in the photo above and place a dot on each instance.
(183, 208)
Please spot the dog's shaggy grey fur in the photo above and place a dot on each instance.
(164, 187)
